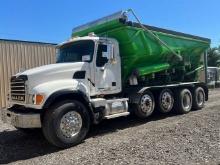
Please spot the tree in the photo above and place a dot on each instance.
(214, 57)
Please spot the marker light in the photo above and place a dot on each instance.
(39, 98)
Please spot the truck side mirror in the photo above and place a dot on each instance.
(111, 54)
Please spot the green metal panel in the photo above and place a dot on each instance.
(141, 52)
(145, 70)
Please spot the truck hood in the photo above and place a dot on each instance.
(53, 72)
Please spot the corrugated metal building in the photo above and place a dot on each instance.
(18, 55)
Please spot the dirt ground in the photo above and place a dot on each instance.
(193, 138)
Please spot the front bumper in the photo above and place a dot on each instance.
(21, 119)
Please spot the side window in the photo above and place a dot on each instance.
(102, 55)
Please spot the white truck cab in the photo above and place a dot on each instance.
(87, 69)
(89, 64)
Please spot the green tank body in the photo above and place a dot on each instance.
(143, 55)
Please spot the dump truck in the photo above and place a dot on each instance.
(109, 68)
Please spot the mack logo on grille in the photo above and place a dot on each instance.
(18, 88)
(18, 98)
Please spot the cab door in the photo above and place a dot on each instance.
(107, 72)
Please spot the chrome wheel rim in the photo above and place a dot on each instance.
(200, 98)
(71, 124)
(187, 101)
(167, 101)
(146, 104)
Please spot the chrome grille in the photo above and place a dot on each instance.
(18, 88)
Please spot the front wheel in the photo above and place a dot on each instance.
(66, 124)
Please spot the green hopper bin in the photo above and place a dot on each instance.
(142, 54)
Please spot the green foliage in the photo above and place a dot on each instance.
(214, 57)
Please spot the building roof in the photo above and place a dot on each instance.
(24, 41)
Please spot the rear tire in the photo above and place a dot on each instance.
(198, 98)
(66, 124)
(146, 105)
(165, 101)
(183, 102)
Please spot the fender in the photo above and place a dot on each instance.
(70, 94)
(135, 93)
(59, 93)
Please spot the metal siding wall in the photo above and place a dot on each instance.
(15, 55)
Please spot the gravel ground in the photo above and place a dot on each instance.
(193, 138)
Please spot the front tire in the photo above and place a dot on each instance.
(66, 124)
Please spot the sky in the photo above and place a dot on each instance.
(53, 20)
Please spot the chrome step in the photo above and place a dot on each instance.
(117, 115)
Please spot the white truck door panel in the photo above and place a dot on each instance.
(107, 73)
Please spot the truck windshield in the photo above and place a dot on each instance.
(76, 52)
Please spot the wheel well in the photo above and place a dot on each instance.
(55, 98)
